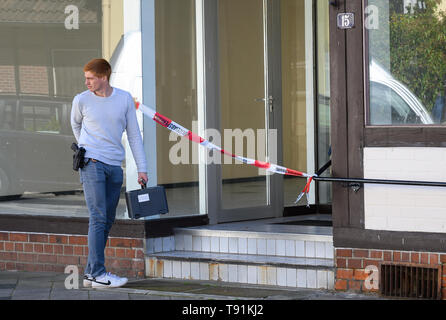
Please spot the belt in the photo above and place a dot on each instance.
(93, 160)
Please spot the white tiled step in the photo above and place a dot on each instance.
(245, 259)
(308, 246)
(262, 270)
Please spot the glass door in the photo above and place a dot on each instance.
(274, 103)
(246, 109)
(323, 102)
(305, 96)
(297, 69)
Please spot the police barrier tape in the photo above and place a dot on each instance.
(183, 132)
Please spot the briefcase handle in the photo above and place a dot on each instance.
(144, 184)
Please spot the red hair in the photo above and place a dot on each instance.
(99, 67)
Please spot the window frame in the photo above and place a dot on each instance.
(400, 135)
(350, 135)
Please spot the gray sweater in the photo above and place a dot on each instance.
(99, 122)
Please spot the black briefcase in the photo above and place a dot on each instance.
(146, 202)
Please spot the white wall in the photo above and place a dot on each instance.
(405, 208)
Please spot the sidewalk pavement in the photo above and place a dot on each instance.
(51, 286)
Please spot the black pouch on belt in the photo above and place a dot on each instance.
(78, 157)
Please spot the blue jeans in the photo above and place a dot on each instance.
(102, 187)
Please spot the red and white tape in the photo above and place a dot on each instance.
(181, 131)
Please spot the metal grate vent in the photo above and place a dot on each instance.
(410, 281)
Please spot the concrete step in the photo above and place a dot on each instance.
(278, 271)
(255, 243)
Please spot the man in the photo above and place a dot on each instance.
(99, 117)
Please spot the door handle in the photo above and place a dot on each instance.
(270, 101)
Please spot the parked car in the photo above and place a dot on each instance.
(35, 139)
(391, 102)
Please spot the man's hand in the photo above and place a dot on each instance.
(135, 100)
(142, 178)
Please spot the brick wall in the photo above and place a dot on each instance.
(351, 263)
(34, 79)
(41, 252)
(7, 79)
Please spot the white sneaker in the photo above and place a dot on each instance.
(88, 279)
(108, 280)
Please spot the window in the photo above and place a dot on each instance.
(176, 97)
(407, 62)
(7, 114)
(388, 107)
(41, 119)
(45, 45)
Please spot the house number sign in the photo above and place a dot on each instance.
(346, 20)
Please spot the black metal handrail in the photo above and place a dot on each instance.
(381, 181)
(356, 182)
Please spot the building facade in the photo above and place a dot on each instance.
(291, 82)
